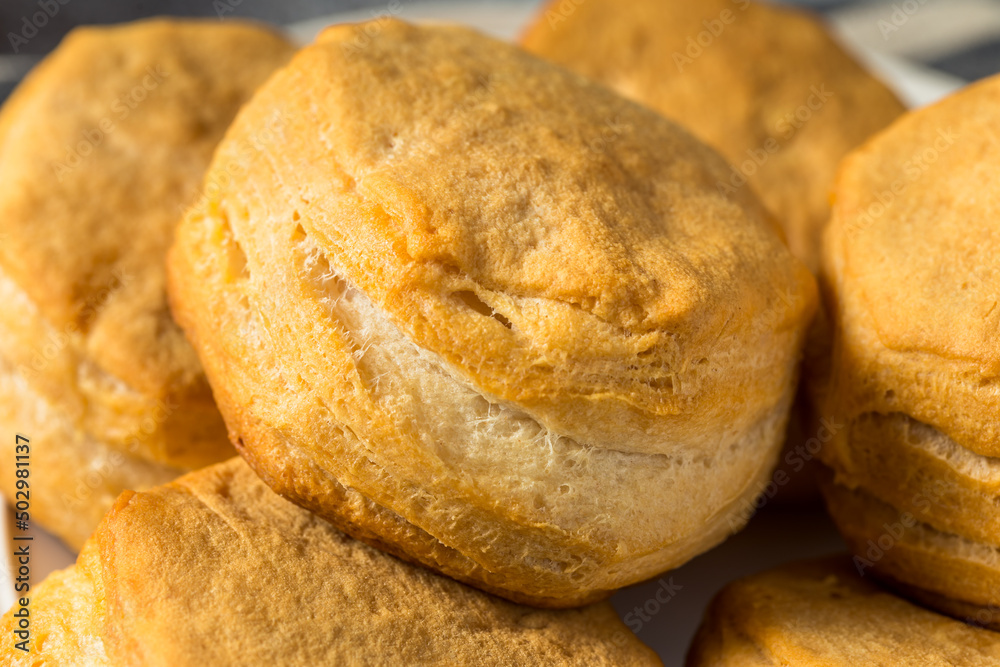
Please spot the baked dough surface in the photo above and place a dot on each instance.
(768, 87)
(102, 147)
(821, 613)
(913, 276)
(74, 477)
(434, 313)
(216, 569)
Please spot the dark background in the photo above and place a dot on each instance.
(76, 12)
(18, 56)
(972, 62)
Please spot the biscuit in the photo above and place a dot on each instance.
(913, 280)
(215, 569)
(951, 573)
(766, 86)
(73, 478)
(442, 315)
(823, 613)
(102, 147)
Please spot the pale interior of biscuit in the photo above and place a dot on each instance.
(985, 469)
(475, 433)
(490, 450)
(549, 477)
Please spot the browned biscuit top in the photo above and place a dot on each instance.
(766, 86)
(534, 350)
(531, 228)
(215, 569)
(915, 219)
(912, 260)
(822, 613)
(101, 149)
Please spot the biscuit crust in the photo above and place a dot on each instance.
(823, 613)
(286, 588)
(768, 87)
(913, 281)
(441, 319)
(74, 477)
(102, 148)
(951, 573)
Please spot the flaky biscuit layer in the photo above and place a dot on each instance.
(913, 281)
(101, 149)
(443, 320)
(769, 87)
(74, 479)
(217, 569)
(822, 613)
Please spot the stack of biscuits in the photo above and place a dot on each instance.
(824, 614)
(912, 287)
(101, 149)
(913, 276)
(769, 88)
(491, 338)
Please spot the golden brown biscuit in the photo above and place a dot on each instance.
(73, 478)
(954, 574)
(821, 613)
(913, 275)
(766, 86)
(215, 569)
(436, 315)
(101, 149)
